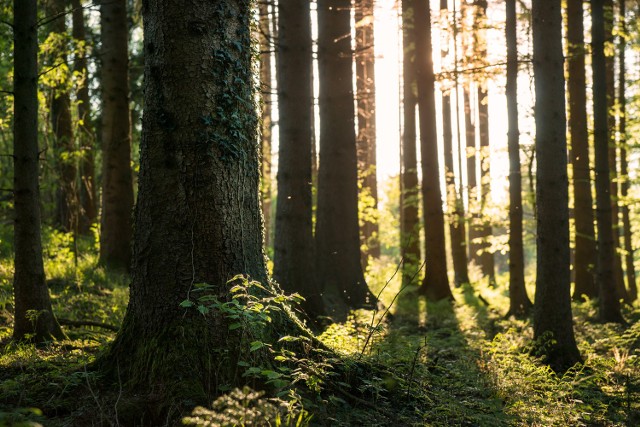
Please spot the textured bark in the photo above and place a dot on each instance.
(606, 276)
(409, 197)
(585, 243)
(337, 231)
(61, 124)
(552, 311)
(519, 302)
(624, 172)
(366, 138)
(34, 319)
(198, 214)
(265, 38)
(117, 180)
(435, 285)
(472, 181)
(293, 244)
(85, 134)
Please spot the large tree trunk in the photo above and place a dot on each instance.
(117, 180)
(585, 243)
(552, 311)
(435, 285)
(293, 262)
(266, 45)
(624, 172)
(30, 289)
(337, 231)
(519, 303)
(366, 139)
(85, 134)
(198, 214)
(606, 276)
(61, 124)
(409, 196)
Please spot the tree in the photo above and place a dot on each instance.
(552, 310)
(366, 137)
(34, 318)
(337, 231)
(117, 180)
(585, 243)
(293, 261)
(409, 196)
(85, 133)
(265, 37)
(606, 277)
(519, 303)
(435, 285)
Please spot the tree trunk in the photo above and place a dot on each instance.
(519, 303)
(266, 46)
(624, 172)
(85, 133)
(553, 322)
(61, 124)
(472, 182)
(366, 139)
(585, 243)
(117, 180)
(606, 276)
(293, 261)
(435, 285)
(409, 197)
(337, 231)
(30, 289)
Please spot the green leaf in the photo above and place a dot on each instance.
(187, 303)
(203, 309)
(256, 345)
(234, 326)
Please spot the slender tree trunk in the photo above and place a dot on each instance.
(293, 244)
(552, 311)
(61, 124)
(606, 276)
(585, 243)
(519, 302)
(30, 289)
(337, 232)
(409, 197)
(117, 180)
(85, 133)
(472, 182)
(366, 139)
(435, 285)
(265, 38)
(624, 172)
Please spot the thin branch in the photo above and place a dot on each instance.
(2, 21)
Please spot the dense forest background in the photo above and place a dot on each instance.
(327, 212)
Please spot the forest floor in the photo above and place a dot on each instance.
(433, 364)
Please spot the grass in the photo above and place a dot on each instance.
(426, 365)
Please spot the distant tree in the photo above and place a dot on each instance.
(293, 244)
(475, 221)
(585, 243)
(117, 179)
(266, 37)
(606, 276)
(366, 137)
(61, 123)
(85, 134)
(339, 270)
(519, 303)
(624, 171)
(552, 310)
(409, 197)
(435, 285)
(34, 318)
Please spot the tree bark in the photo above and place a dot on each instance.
(366, 138)
(409, 197)
(585, 243)
(266, 46)
(472, 181)
(34, 319)
(435, 285)
(293, 244)
(519, 302)
(552, 310)
(337, 230)
(117, 180)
